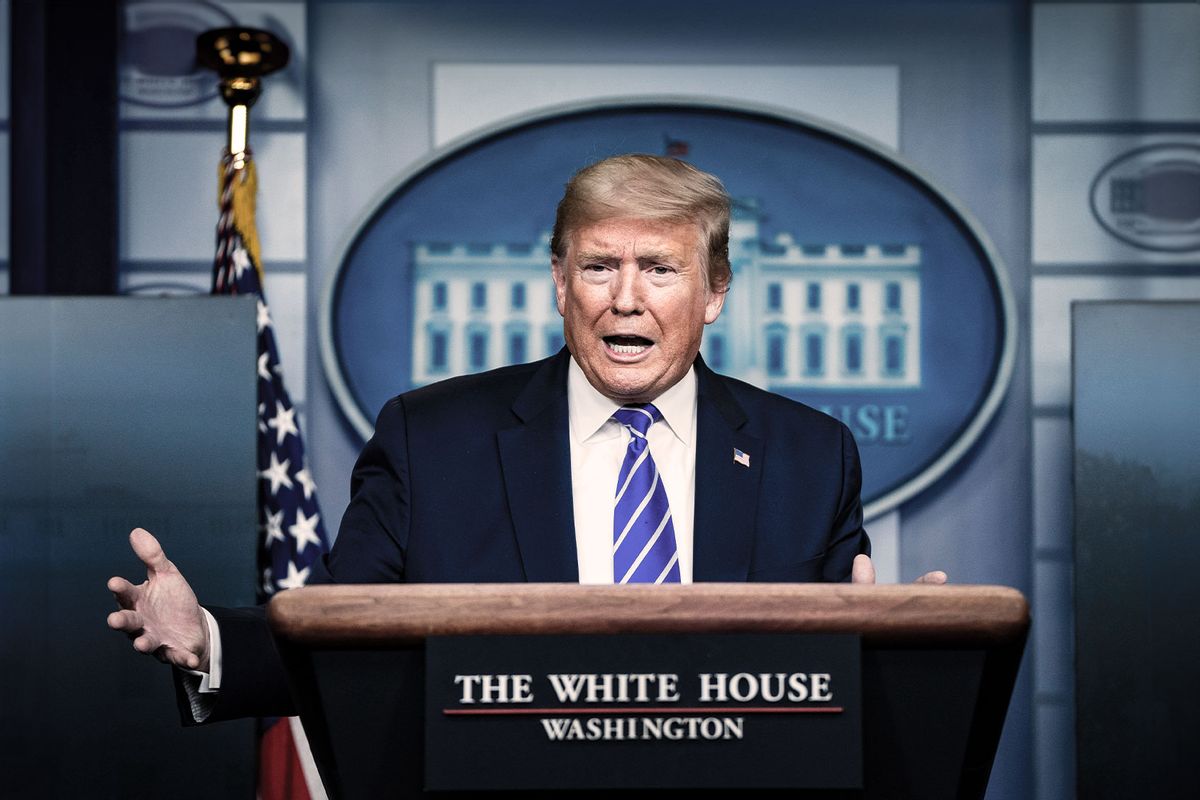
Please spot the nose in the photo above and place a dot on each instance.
(627, 290)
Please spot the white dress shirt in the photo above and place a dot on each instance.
(598, 446)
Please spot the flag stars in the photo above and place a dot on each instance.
(304, 478)
(295, 577)
(274, 527)
(305, 531)
(263, 372)
(264, 316)
(284, 422)
(277, 474)
(241, 262)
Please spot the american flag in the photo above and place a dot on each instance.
(291, 535)
(676, 148)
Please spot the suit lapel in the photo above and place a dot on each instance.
(726, 490)
(535, 457)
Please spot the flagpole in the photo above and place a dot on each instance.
(287, 493)
(241, 57)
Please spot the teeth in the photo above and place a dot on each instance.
(627, 349)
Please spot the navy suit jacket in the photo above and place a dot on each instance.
(469, 480)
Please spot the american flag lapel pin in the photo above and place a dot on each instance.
(741, 458)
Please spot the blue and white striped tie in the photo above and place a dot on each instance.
(644, 548)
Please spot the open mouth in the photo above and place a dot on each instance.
(627, 345)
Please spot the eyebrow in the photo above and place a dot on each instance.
(606, 257)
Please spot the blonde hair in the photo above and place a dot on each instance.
(654, 188)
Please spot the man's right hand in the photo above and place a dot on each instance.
(161, 615)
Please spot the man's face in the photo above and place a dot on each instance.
(634, 300)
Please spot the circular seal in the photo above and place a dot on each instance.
(859, 287)
(159, 66)
(1149, 197)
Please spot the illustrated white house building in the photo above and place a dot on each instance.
(799, 316)
(481, 306)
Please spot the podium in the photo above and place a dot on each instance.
(938, 665)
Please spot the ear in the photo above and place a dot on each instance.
(560, 284)
(713, 306)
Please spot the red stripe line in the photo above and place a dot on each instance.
(550, 712)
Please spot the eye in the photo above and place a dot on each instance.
(659, 269)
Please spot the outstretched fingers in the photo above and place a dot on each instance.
(186, 660)
(160, 615)
(126, 593)
(149, 551)
(146, 643)
(126, 621)
(152, 645)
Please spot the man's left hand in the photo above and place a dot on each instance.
(863, 571)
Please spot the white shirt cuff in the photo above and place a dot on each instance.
(197, 684)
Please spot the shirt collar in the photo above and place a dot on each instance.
(589, 410)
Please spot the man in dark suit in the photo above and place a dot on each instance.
(509, 475)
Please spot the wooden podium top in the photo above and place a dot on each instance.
(368, 615)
